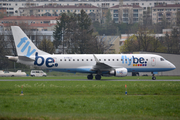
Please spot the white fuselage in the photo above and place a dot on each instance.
(84, 63)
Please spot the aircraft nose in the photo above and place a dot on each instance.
(172, 66)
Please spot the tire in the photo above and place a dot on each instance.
(153, 78)
(90, 77)
(98, 77)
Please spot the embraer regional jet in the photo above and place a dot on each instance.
(100, 64)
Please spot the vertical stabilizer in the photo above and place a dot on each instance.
(24, 46)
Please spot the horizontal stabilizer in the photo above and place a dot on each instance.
(24, 58)
(12, 58)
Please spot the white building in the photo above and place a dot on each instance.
(165, 11)
(14, 5)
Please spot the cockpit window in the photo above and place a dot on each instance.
(162, 59)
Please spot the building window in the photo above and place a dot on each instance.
(142, 3)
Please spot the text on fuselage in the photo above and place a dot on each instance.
(136, 61)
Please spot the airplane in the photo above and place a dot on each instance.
(99, 64)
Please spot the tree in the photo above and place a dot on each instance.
(77, 33)
(143, 41)
(130, 45)
(47, 46)
(4, 51)
(175, 37)
(108, 19)
(59, 30)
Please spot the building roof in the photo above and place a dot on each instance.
(167, 5)
(134, 6)
(63, 6)
(30, 18)
(41, 25)
(31, 25)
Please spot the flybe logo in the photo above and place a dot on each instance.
(39, 60)
(49, 62)
(133, 60)
(26, 46)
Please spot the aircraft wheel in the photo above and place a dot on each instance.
(90, 77)
(153, 78)
(98, 77)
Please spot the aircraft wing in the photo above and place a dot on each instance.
(101, 66)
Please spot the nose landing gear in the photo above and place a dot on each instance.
(153, 76)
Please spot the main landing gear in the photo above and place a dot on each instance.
(153, 76)
(90, 77)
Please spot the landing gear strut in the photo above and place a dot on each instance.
(90, 77)
(153, 77)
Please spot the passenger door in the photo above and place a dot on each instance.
(153, 61)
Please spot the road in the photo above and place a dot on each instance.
(78, 80)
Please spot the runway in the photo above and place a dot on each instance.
(79, 80)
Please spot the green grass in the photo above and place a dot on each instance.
(90, 100)
(103, 78)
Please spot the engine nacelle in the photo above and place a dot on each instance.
(119, 72)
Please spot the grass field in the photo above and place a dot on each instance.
(80, 77)
(99, 100)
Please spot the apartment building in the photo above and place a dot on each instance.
(127, 13)
(2, 10)
(14, 5)
(56, 10)
(42, 23)
(166, 12)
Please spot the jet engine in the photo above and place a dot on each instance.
(119, 72)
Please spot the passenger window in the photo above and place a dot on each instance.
(104, 59)
(146, 59)
(108, 59)
(82, 59)
(86, 59)
(112, 59)
(99, 59)
(91, 60)
(64, 59)
(73, 59)
(117, 59)
(60, 59)
(121, 59)
(69, 59)
(77, 59)
(125, 59)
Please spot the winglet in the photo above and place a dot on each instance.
(97, 61)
